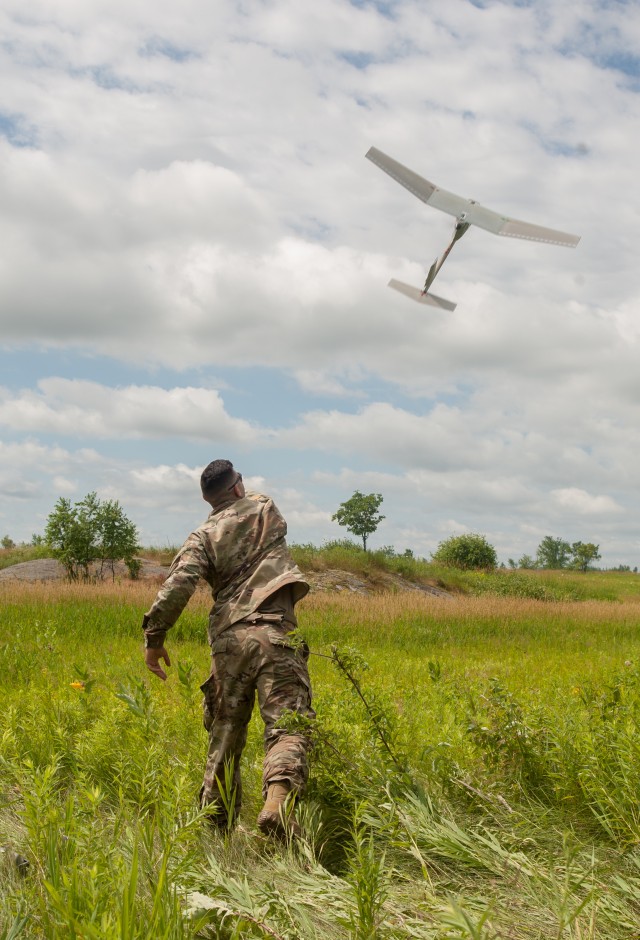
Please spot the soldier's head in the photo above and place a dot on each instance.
(219, 481)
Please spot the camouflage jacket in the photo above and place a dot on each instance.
(240, 551)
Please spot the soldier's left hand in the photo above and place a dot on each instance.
(152, 658)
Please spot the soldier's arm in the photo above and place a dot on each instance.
(190, 564)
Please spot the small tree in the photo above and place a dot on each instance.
(69, 538)
(527, 562)
(583, 554)
(90, 531)
(466, 552)
(553, 553)
(117, 538)
(7, 543)
(360, 515)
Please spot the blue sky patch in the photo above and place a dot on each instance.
(17, 130)
(159, 46)
(358, 59)
(624, 62)
(384, 7)
(106, 77)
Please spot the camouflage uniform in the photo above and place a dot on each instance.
(240, 551)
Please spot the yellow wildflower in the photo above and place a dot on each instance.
(77, 685)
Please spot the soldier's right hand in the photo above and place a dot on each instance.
(152, 658)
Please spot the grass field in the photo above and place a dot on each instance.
(488, 786)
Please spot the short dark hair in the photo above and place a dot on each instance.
(217, 477)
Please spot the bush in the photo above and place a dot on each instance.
(467, 552)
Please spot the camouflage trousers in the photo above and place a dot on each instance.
(249, 658)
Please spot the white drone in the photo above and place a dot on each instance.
(467, 212)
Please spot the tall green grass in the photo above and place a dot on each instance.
(349, 556)
(475, 774)
(21, 553)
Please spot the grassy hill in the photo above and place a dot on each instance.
(372, 566)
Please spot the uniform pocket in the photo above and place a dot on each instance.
(289, 664)
(281, 638)
(289, 638)
(209, 702)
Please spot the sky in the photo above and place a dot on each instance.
(195, 255)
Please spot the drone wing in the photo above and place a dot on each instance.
(466, 209)
(416, 294)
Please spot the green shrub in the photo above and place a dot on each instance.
(468, 552)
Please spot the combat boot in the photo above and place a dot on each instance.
(276, 819)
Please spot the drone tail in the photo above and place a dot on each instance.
(422, 297)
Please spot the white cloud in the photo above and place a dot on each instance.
(198, 201)
(453, 527)
(81, 408)
(301, 513)
(583, 503)
(26, 455)
(324, 383)
(180, 480)
(33, 476)
(63, 486)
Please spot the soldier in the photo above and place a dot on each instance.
(240, 551)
